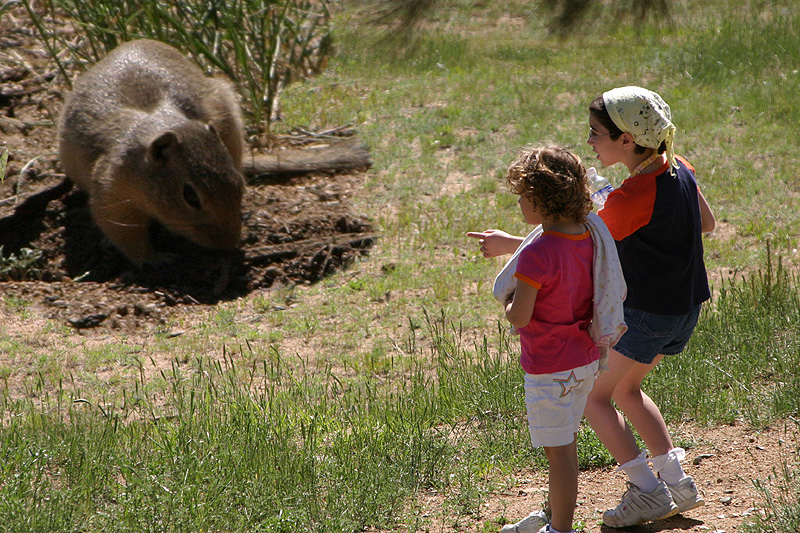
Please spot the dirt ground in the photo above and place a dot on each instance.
(296, 230)
(724, 463)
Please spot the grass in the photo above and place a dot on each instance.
(261, 441)
(331, 407)
(287, 448)
(781, 511)
(743, 350)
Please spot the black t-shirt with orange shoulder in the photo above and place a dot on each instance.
(655, 221)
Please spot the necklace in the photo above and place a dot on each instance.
(644, 164)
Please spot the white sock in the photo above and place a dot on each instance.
(668, 466)
(551, 530)
(639, 473)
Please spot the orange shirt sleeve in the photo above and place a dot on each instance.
(529, 281)
(631, 206)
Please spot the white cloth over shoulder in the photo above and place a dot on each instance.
(608, 322)
(505, 283)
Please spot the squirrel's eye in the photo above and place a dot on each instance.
(190, 196)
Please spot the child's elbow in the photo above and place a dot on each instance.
(516, 319)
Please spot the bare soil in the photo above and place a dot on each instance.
(724, 463)
(296, 232)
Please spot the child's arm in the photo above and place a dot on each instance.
(495, 242)
(707, 220)
(520, 310)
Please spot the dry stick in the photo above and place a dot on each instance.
(273, 110)
(3, 163)
(14, 200)
(335, 157)
(742, 385)
(21, 175)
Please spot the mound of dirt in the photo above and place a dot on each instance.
(295, 232)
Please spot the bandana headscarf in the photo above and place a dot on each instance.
(643, 114)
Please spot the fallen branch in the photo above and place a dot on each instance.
(338, 157)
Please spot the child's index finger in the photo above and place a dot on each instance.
(476, 234)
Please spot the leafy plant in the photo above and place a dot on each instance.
(3, 163)
(21, 266)
(263, 45)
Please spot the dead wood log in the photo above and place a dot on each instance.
(342, 156)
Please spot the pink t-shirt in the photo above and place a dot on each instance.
(557, 337)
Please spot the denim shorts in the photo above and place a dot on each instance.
(650, 334)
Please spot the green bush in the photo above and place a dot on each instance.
(262, 45)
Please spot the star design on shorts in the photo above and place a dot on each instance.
(568, 384)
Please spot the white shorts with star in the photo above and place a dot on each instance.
(555, 404)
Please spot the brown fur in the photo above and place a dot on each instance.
(149, 136)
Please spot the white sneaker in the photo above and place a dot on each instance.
(685, 495)
(530, 524)
(638, 507)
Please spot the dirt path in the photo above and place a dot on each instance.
(724, 463)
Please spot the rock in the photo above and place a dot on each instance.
(88, 321)
(700, 458)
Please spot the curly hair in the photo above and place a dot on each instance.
(554, 180)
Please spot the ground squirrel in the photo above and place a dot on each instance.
(148, 136)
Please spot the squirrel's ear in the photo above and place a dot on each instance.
(162, 145)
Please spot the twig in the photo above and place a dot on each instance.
(742, 385)
(20, 177)
(341, 131)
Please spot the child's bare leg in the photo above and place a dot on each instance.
(641, 411)
(563, 484)
(606, 421)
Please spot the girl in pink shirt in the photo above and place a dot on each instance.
(552, 309)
